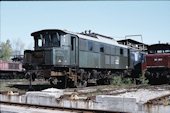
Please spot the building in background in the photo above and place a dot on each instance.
(134, 44)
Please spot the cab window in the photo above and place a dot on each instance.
(46, 39)
(55, 39)
(38, 41)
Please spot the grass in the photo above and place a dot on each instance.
(118, 81)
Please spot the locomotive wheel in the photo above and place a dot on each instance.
(53, 81)
(62, 82)
(81, 84)
(106, 81)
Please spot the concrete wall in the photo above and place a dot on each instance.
(116, 103)
(102, 102)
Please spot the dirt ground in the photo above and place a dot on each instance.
(22, 85)
(18, 85)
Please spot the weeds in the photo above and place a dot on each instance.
(143, 80)
(117, 80)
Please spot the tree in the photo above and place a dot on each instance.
(18, 46)
(6, 51)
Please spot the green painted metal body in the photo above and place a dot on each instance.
(76, 51)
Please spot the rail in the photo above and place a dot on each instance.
(163, 100)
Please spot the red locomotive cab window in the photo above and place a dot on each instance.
(159, 51)
(167, 51)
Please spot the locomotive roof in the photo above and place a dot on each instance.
(97, 38)
(159, 47)
(46, 30)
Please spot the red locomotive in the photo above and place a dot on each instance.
(158, 64)
(10, 70)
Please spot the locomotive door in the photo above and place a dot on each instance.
(74, 51)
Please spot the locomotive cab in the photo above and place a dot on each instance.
(56, 46)
(52, 52)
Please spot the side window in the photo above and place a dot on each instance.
(90, 45)
(101, 48)
(121, 51)
(96, 47)
(10, 65)
(125, 53)
(113, 51)
(16, 66)
(117, 50)
(83, 44)
(107, 49)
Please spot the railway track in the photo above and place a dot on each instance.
(163, 100)
(58, 108)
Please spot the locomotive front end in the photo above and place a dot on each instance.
(50, 53)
